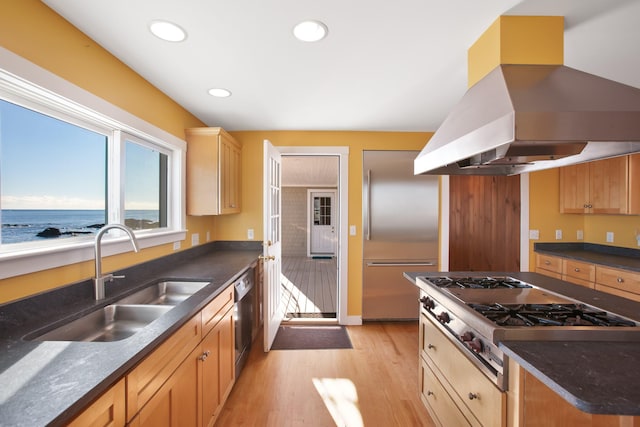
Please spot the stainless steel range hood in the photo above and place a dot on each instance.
(523, 118)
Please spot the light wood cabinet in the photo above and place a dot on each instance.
(150, 374)
(214, 161)
(176, 403)
(549, 266)
(623, 283)
(106, 411)
(460, 388)
(601, 187)
(615, 281)
(578, 272)
(541, 406)
(218, 365)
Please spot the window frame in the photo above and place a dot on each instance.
(30, 86)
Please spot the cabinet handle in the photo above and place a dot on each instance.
(204, 355)
(547, 262)
(431, 346)
(473, 396)
(619, 280)
(429, 393)
(577, 270)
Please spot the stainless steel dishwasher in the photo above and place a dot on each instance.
(244, 312)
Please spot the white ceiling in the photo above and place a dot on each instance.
(310, 171)
(385, 65)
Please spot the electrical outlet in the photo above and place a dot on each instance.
(195, 239)
(534, 234)
(580, 235)
(176, 246)
(609, 236)
(352, 230)
(558, 234)
(250, 234)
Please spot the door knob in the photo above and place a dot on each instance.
(267, 258)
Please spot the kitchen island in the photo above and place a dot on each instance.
(49, 382)
(596, 378)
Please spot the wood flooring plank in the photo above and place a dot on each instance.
(381, 371)
(310, 285)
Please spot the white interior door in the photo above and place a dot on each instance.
(322, 222)
(273, 307)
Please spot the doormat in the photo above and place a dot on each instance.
(311, 338)
(311, 315)
(321, 257)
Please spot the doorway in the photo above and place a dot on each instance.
(314, 282)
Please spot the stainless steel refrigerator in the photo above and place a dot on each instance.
(400, 232)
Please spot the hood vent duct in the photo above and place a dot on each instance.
(523, 118)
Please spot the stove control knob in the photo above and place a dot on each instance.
(467, 336)
(476, 345)
(428, 303)
(444, 317)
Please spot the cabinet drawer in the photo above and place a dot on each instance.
(549, 273)
(623, 280)
(586, 283)
(216, 309)
(579, 270)
(549, 263)
(441, 408)
(146, 378)
(469, 385)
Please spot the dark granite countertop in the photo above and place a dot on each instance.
(595, 377)
(609, 256)
(47, 382)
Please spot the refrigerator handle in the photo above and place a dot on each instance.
(367, 207)
(401, 264)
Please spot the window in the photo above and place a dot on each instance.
(52, 177)
(70, 163)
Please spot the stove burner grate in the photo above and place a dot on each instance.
(478, 282)
(548, 315)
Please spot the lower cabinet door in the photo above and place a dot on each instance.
(107, 411)
(218, 368)
(440, 405)
(176, 402)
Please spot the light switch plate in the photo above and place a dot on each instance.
(558, 234)
(195, 239)
(176, 246)
(352, 230)
(250, 235)
(534, 234)
(580, 235)
(609, 236)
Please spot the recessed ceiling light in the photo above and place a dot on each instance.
(310, 31)
(219, 92)
(167, 31)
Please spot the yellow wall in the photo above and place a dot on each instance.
(234, 227)
(517, 40)
(33, 31)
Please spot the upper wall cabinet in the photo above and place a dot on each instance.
(213, 172)
(602, 187)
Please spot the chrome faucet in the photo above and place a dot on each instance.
(99, 280)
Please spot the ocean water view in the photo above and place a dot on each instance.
(24, 225)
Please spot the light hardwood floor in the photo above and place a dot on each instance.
(309, 285)
(373, 384)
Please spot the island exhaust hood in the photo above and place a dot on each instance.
(523, 118)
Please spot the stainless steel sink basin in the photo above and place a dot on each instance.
(170, 292)
(111, 323)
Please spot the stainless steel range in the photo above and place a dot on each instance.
(479, 312)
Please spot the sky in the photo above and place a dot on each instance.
(48, 164)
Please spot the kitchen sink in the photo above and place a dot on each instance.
(169, 292)
(111, 323)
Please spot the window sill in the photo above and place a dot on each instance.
(33, 259)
